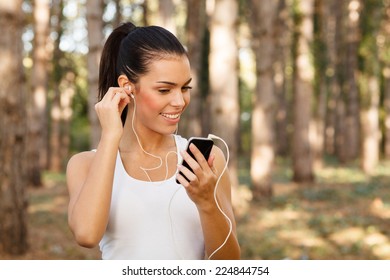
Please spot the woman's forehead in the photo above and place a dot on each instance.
(174, 69)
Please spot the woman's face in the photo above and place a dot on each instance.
(163, 93)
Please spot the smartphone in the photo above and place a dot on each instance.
(203, 144)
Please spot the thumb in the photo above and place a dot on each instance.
(210, 162)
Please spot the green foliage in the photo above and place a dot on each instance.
(80, 128)
(245, 99)
(371, 16)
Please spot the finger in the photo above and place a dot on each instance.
(187, 173)
(199, 156)
(191, 162)
(210, 162)
(121, 96)
(110, 94)
(182, 180)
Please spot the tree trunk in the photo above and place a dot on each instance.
(145, 7)
(320, 54)
(55, 160)
(68, 92)
(224, 79)
(370, 127)
(95, 41)
(342, 80)
(196, 23)
(352, 122)
(263, 19)
(13, 179)
(333, 40)
(303, 92)
(37, 120)
(370, 86)
(167, 15)
(387, 111)
(283, 41)
(118, 13)
(386, 76)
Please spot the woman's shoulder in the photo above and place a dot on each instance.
(220, 158)
(81, 160)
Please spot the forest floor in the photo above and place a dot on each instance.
(343, 215)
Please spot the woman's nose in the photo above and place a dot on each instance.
(178, 99)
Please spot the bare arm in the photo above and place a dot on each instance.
(90, 175)
(90, 178)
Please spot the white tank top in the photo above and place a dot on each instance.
(151, 220)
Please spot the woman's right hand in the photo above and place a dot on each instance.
(109, 110)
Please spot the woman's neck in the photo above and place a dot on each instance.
(143, 139)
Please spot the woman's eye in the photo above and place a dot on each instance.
(164, 91)
(184, 89)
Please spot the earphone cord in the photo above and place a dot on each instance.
(158, 157)
(211, 136)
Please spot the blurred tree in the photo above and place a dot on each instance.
(333, 39)
(13, 179)
(303, 90)
(340, 98)
(320, 84)
(196, 26)
(166, 15)
(282, 79)
(385, 58)
(372, 12)
(263, 20)
(224, 105)
(118, 13)
(145, 7)
(37, 110)
(63, 83)
(350, 86)
(95, 44)
(55, 160)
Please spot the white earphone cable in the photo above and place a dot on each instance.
(212, 136)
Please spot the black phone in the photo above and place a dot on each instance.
(203, 144)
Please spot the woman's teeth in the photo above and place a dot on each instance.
(170, 116)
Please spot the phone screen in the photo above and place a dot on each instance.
(203, 144)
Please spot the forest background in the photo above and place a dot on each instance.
(299, 89)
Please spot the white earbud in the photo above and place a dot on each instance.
(131, 94)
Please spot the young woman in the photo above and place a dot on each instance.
(124, 195)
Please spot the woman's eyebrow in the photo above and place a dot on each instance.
(172, 83)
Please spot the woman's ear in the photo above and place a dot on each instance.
(124, 82)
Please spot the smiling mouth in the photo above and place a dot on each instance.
(171, 116)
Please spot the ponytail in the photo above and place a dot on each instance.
(108, 76)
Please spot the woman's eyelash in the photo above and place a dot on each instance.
(168, 90)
